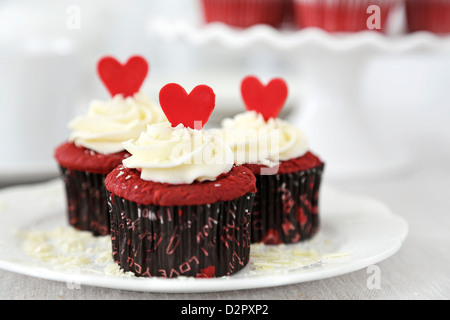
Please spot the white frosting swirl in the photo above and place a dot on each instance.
(178, 155)
(108, 124)
(254, 140)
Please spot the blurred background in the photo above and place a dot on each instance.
(373, 105)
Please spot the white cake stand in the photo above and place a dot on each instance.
(332, 65)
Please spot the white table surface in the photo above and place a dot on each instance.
(419, 270)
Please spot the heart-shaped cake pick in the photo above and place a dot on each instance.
(125, 79)
(192, 110)
(268, 100)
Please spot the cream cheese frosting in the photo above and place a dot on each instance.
(109, 123)
(257, 141)
(178, 155)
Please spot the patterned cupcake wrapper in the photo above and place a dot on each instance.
(87, 206)
(197, 241)
(244, 13)
(286, 207)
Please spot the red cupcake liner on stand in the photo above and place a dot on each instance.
(339, 15)
(244, 13)
(429, 15)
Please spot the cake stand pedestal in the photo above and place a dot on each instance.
(332, 116)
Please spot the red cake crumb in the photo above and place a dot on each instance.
(126, 183)
(72, 157)
(305, 162)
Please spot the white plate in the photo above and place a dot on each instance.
(356, 232)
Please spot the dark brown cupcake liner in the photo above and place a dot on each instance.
(197, 241)
(286, 207)
(87, 206)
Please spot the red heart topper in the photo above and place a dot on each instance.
(267, 100)
(192, 110)
(125, 79)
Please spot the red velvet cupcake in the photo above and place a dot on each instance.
(83, 171)
(288, 14)
(244, 13)
(288, 174)
(428, 15)
(179, 205)
(340, 15)
(94, 148)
